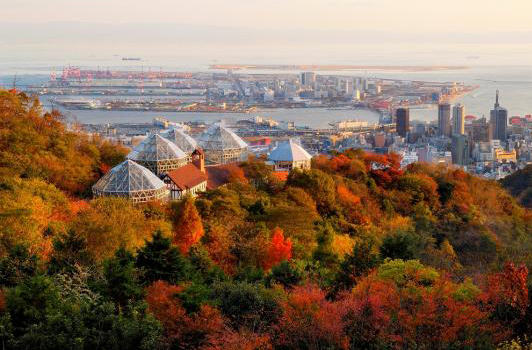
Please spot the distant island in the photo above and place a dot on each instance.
(333, 67)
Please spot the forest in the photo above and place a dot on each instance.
(355, 253)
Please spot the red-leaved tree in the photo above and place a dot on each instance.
(279, 249)
(310, 321)
(185, 331)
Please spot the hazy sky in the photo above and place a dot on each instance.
(436, 16)
(432, 31)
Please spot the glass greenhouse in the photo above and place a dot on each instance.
(131, 180)
(184, 141)
(221, 145)
(158, 155)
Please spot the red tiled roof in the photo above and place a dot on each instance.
(218, 175)
(187, 176)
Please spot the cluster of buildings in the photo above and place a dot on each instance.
(493, 147)
(309, 89)
(170, 164)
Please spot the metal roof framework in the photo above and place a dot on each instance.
(131, 180)
(222, 145)
(184, 141)
(219, 138)
(158, 155)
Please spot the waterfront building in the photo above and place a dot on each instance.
(498, 121)
(349, 124)
(158, 155)
(459, 119)
(402, 116)
(444, 120)
(308, 79)
(133, 181)
(222, 145)
(290, 155)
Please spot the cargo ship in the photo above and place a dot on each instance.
(78, 104)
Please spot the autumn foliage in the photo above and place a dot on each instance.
(186, 331)
(188, 228)
(310, 321)
(279, 249)
(354, 253)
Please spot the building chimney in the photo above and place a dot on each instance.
(199, 159)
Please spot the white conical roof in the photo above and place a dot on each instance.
(289, 152)
(155, 148)
(178, 136)
(128, 177)
(218, 137)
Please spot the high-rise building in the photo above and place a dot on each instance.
(460, 149)
(479, 130)
(402, 123)
(498, 121)
(459, 119)
(444, 120)
(308, 78)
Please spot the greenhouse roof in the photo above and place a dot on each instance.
(178, 136)
(219, 137)
(128, 177)
(289, 152)
(155, 148)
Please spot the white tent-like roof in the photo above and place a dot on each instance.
(156, 148)
(178, 136)
(289, 152)
(127, 177)
(220, 138)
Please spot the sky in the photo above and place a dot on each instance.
(328, 31)
(473, 16)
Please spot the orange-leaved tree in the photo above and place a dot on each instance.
(188, 228)
(279, 249)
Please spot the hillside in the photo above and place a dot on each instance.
(519, 184)
(352, 254)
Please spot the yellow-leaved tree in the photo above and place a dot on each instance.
(111, 222)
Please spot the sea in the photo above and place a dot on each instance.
(513, 82)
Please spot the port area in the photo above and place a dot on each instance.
(231, 92)
(336, 67)
(155, 105)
